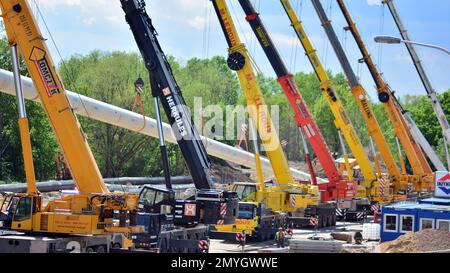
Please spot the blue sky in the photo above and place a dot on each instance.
(79, 26)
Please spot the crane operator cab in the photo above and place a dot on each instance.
(208, 207)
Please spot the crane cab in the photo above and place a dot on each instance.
(16, 211)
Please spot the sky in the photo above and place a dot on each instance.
(189, 28)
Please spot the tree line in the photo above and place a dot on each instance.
(110, 77)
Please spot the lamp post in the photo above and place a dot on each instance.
(383, 39)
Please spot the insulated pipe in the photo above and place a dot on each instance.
(112, 183)
(120, 117)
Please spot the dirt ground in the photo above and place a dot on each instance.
(424, 241)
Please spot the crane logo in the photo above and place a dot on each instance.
(442, 184)
(190, 209)
(38, 57)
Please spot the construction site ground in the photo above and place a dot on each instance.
(220, 246)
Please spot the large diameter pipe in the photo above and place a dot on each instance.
(112, 183)
(123, 118)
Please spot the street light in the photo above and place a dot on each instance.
(394, 40)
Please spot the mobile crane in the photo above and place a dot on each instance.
(305, 120)
(303, 117)
(173, 224)
(398, 182)
(432, 95)
(342, 122)
(413, 152)
(261, 201)
(83, 221)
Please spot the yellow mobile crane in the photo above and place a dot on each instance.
(258, 201)
(363, 102)
(413, 152)
(91, 211)
(342, 122)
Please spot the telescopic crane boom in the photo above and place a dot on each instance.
(303, 117)
(91, 211)
(218, 206)
(432, 95)
(287, 195)
(342, 122)
(166, 88)
(413, 152)
(362, 99)
(239, 60)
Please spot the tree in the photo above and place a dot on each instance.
(43, 141)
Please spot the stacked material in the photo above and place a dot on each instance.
(428, 240)
(274, 250)
(313, 246)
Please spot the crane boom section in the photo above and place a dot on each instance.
(413, 152)
(342, 122)
(166, 88)
(23, 30)
(361, 97)
(239, 60)
(432, 95)
(303, 116)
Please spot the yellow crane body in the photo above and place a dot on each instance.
(362, 100)
(341, 120)
(288, 195)
(256, 106)
(27, 36)
(92, 210)
(413, 152)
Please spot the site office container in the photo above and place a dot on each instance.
(396, 222)
(399, 219)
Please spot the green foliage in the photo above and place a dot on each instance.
(42, 139)
(110, 77)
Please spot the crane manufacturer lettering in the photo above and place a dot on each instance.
(177, 116)
(44, 70)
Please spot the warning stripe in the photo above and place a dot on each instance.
(314, 221)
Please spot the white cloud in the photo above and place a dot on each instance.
(197, 22)
(89, 21)
(283, 39)
(192, 4)
(374, 2)
(113, 19)
(402, 58)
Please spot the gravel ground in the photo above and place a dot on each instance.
(423, 241)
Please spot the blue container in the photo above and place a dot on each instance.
(397, 220)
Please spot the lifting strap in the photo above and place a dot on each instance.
(139, 88)
(243, 137)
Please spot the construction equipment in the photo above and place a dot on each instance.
(413, 152)
(84, 220)
(432, 95)
(116, 116)
(175, 224)
(398, 182)
(342, 122)
(298, 201)
(337, 187)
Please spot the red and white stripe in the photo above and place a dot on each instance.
(314, 221)
(293, 201)
(223, 210)
(220, 222)
(240, 237)
(203, 244)
(382, 185)
(375, 208)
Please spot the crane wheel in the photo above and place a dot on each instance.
(90, 250)
(101, 249)
(384, 97)
(236, 61)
